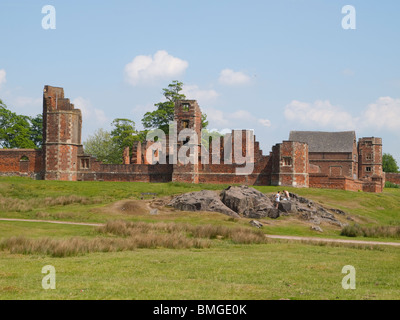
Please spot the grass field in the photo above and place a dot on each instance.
(227, 265)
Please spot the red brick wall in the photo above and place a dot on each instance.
(334, 164)
(289, 164)
(11, 164)
(393, 177)
(124, 172)
(323, 181)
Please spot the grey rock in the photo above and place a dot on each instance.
(285, 206)
(248, 202)
(256, 223)
(201, 201)
(338, 211)
(316, 228)
(273, 213)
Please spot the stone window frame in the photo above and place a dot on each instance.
(368, 169)
(85, 163)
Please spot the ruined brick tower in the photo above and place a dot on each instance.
(290, 164)
(62, 125)
(187, 116)
(370, 157)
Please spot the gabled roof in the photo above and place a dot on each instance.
(319, 141)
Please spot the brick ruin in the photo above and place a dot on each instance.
(333, 160)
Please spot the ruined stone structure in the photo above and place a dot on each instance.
(307, 159)
(62, 126)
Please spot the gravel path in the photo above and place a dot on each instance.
(55, 222)
(315, 239)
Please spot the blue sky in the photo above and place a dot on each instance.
(271, 66)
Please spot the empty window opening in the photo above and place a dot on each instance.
(185, 107)
(185, 124)
(85, 163)
(287, 161)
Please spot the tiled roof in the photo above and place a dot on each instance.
(319, 141)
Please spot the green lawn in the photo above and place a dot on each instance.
(225, 270)
(87, 202)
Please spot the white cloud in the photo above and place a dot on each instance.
(264, 122)
(147, 69)
(382, 114)
(216, 117)
(320, 114)
(90, 113)
(194, 92)
(232, 78)
(2, 77)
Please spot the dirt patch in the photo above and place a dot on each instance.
(138, 207)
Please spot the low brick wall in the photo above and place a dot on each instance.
(344, 183)
(21, 162)
(128, 172)
(393, 177)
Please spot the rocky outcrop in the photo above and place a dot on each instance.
(201, 201)
(233, 201)
(314, 213)
(237, 201)
(249, 202)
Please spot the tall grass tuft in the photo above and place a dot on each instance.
(371, 232)
(208, 231)
(79, 246)
(8, 204)
(134, 235)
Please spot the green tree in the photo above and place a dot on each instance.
(102, 146)
(389, 163)
(124, 134)
(164, 114)
(15, 130)
(36, 134)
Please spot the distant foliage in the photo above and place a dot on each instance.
(19, 131)
(389, 184)
(124, 134)
(103, 147)
(389, 163)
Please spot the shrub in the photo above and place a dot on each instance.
(371, 232)
(389, 184)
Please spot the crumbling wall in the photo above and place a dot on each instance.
(21, 162)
